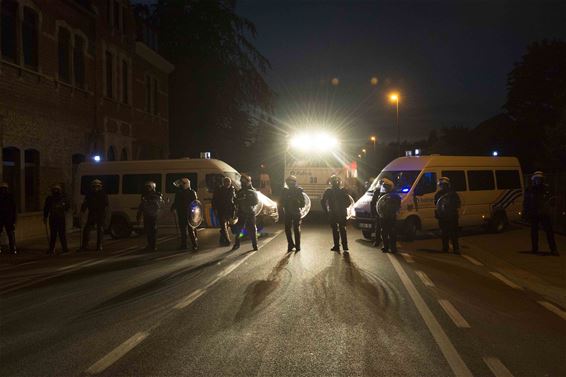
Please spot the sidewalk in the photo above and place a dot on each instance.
(509, 253)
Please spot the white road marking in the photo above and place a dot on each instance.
(425, 279)
(553, 308)
(190, 298)
(454, 314)
(459, 368)
(408, 258)
(505, 280)
(472, 260)
(497, 367)
(117, 353)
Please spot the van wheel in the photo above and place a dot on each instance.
(498, 222)
(411, 227)
(367, 234)
(119, 227)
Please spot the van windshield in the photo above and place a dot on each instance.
(403, 180)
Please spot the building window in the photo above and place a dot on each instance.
(64, 54)
(31, 157)
(109, 74)
(116, 15)
(125, 82)
(30, 27)
(124, 20)
(124, 154)
(8, 31)
(11, 162)
(79, 61)
(111, 156)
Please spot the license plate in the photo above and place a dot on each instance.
(365, 226)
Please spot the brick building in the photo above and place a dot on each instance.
(78, 78)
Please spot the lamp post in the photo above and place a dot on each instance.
(395, 98)
(373, 139)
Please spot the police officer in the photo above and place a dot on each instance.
(55, 209)
(335, 202)
(388, 205)
(150, 204)
(373, 209)
(292, 200)
(8, 216)
(96, 202)
(537, 211)
(223, 204)
(246, 200)
(447, 203)
(183, 198)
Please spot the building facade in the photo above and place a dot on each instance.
(78, 79)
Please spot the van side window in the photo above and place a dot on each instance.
(133, 183)
(479, 180)
(457, 179)
(172, 177)
(213, 181)
(109, 183)
(508, 179)
(427, 184)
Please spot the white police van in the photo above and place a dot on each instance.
(124, 182)
(490, 189)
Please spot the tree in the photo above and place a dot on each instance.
(218, 81)
(536, 101)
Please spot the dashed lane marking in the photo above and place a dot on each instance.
(425, 279)
(458, 366)
(472, 260)
(117, 353)
(454, 314)
(408, 258)
(553, 308)
(497, 367)
(505, 280)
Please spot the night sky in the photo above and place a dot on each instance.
(449, 60)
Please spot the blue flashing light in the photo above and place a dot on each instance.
(405, 189)
(96, 158)
(495, 153)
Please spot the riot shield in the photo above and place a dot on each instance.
(196, 213)
(306, 209)
(447, 206)
(350, 212)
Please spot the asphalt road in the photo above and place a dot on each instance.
(272, 313)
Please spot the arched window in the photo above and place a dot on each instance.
(30, 30)
(64, 51)
(11, 171)
(9, 29)
(124, 154)
(32, 179)
(111, 155)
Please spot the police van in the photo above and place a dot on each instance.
(490, 189)
(124, 181)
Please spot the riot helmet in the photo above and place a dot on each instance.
(291, 181)
(3, 187)
(537, 178)
(96, 184)
(150, 186)
(246, 181)
(56, 189)
(444, 183)
(185, 183)
(386, 185)
(227, 182)
(335, 181)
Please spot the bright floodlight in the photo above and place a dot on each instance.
(495, 153)
(96, 158)
(318, 142)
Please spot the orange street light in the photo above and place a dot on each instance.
(394, 97)
(373, 140)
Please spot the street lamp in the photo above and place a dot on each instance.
(364, 150)
(373, 139)
(394, 97)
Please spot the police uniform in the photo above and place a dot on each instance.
(96, 202)
(447, 214)
(183, 198)
(150, 204)
(246, 200)
(537, 211)
(8, 215)
(292, 200)
(373, 211)
(390, 204)
(55, 208)
(223, 204)
(335, 202)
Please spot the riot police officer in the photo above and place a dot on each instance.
(447, 203)
(373, 210)
(223, 204)
(537, 211)
(292, 200)
(246, 200)
(55, 209)
(335, 202)
(8, 215)
(150, 205)
(96, 202)
(388, 205)
(183, 198)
